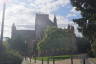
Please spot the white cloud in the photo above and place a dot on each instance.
(47, 6)
(22, 13)
(76, 30)
(63, 22)
(73, 12)
(60, 19)
(19, 15)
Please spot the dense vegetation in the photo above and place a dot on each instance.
(9, 56)
(83, 45)
(21, 46)
(57, 39)
(87, 24)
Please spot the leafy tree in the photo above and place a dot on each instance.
(87, 23)
(83, 45)
(8, 55)
(57, 39)
(19, 45)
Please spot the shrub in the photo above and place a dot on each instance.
(10, 57)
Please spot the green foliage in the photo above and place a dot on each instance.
(6, 44)
(94, 48)
(56, 39)
(19, 45)
(83, 45)
(55, 57)
(8, 55)
(88, 21)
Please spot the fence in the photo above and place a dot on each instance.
(80, 59)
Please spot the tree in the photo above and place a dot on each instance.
(19, 45)
(83, 45)
(8, 55)
(58, 39)
(87, 23)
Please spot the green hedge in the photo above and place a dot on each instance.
(10, 57)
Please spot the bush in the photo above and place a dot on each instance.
(10, 57)
(58, 39)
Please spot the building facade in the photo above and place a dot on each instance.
(42, 21)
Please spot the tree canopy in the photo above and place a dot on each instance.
(58, 39)
(19, 44)
(87, 23)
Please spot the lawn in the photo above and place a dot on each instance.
(55, 57)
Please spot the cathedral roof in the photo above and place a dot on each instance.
(26, 34)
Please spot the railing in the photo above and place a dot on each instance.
(79, 59)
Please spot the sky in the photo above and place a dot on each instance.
(22, 13)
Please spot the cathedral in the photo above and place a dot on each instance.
(42, 21)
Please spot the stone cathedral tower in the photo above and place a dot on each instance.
(13, 31)
(55, 21)
(42, 21)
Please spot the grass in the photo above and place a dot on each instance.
(55, 57)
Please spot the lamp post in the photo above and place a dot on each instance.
(2, 25)
(25, 49)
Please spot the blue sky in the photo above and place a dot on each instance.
(22, 13)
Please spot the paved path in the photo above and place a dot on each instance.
(67, 61)
(77, 60)
(90, 61)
